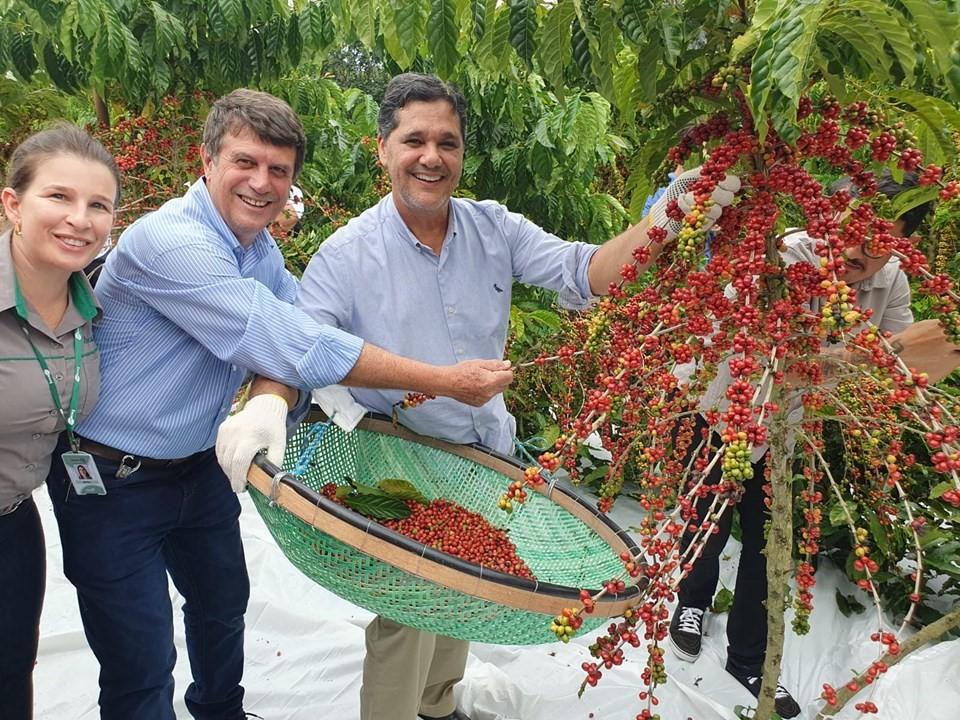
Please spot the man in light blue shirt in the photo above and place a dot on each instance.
(194, 298)
(430, 276)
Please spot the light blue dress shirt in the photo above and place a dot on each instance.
(374, 279)
(187, 312)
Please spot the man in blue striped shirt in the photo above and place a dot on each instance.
(194, 298)
(429, 275)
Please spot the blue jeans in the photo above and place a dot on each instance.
(23, 572)
(117, 551)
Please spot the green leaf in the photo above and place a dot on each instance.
(940, 488)
(893, 29)
(837, 517)
(913, 197)
(479, 11)
(169, 32)
(671, 31)
(23, 56)
(379, 507)
(580, 47)
(89, 15)
(648, 70)
(442, 36)
(937, 110)
(938, 26)
(523, 28)
(64, 75)
(541, 161)
(227, 18)
(553, 48)
(878, 533)
(865, 40)
(634, 20)
(112, 34)
(722, 601)
(779, 64)
(402, 490)
(316, 28)
(363, 14)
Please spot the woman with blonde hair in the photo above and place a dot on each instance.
(59, 199)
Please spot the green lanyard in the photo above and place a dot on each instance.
(70, 419)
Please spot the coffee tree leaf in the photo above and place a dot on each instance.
(402, 490)
(379, 507)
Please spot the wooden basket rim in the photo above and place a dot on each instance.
(403, 553)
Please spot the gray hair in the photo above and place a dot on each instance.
(266, 116)
(414, 87)
(61, 139)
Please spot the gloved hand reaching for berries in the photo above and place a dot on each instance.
(680, 190)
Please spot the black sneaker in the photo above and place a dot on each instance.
(455, 715)
(686, 632)
(783, 701)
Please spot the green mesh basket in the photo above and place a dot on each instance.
(566, 543)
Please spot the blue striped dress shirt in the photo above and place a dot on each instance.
(187, 313)
(374, 279)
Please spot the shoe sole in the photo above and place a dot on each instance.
(682, 654)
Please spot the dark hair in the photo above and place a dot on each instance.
(61, 139)
(414, 87)
(886, 185)
(266, 116)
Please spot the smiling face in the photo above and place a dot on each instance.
(424, 157)
(65, 213)
(248, 182)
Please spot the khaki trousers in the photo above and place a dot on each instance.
(408, 671)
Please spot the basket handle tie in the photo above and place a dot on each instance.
(312, 442)
(537, 444)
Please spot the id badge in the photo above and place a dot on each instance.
(83, 473)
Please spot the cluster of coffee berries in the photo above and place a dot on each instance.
(532, 476)
(449, 527)
(736, 460)
(413, 399)
(566, 624)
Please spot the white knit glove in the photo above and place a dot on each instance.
(260, 425)
(339, 405)
(679, 190)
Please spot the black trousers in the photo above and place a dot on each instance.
(747, 624)
(23, 575)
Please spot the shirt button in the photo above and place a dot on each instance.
(37, 436)
(451, 310)
(53, 412)
(58, 377)
(31, 466)
(459, 351)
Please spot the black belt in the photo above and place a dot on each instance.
(105, 451)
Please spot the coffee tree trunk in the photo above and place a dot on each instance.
(779, 557)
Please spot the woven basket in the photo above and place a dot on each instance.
(564, 541)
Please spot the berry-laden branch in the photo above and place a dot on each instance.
(837, 699)
(749, 332)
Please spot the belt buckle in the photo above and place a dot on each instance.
(127, 467)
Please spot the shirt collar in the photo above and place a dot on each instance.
(84, 302)
(389, 208)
